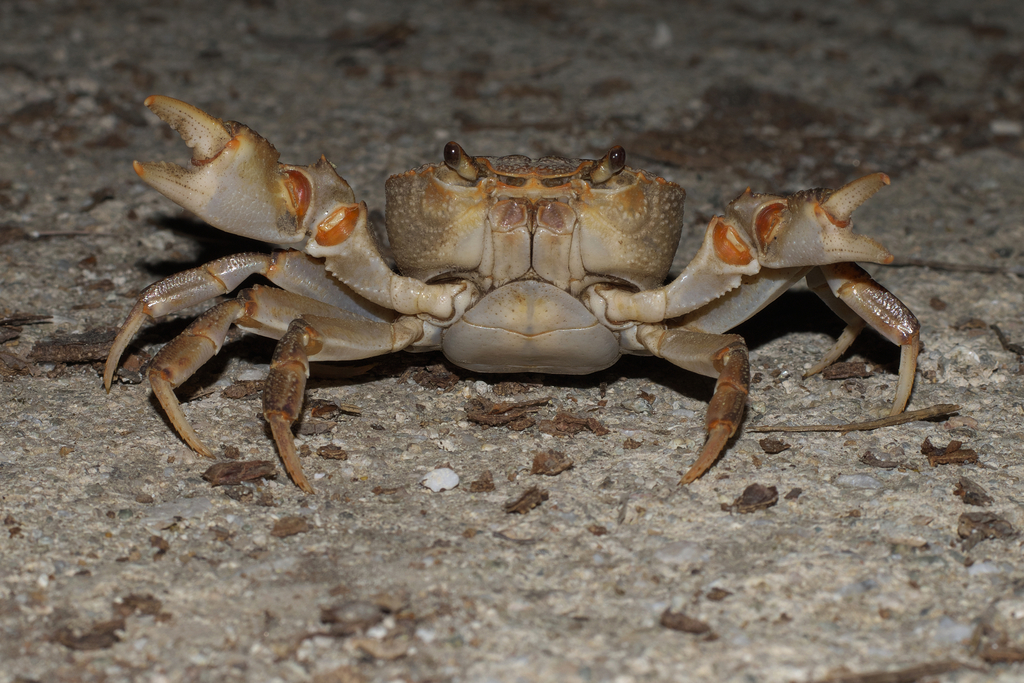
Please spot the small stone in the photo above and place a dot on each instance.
(857, 481)
(441, 479)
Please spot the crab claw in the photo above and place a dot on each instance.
(234, 182)
(841, 204)
(809, 228)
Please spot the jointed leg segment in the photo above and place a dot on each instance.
(715, 355)
(856, 298)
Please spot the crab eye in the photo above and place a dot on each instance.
(456, 159)
(767, 222)
(613, 162)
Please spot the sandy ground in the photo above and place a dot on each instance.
(120, 562)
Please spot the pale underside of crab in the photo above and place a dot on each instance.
(505, 264)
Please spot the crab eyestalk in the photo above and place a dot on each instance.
(456, 159)
(613, 162)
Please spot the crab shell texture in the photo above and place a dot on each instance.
(531, 236)
(506, 264)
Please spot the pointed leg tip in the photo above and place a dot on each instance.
(139, 168)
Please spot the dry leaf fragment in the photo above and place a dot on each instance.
(677, 621)
(332, 452)
(289, 526)
(515, 416)
(550, 463)
(972, 493)
(433, 377)
(101, 635)
(531, 498)
(565, 424)
(995, 653)
(484, 484)
(951, 454)
(772, 446)
(382, 649)
(847, 370)
(230, 473)
(137, 604)
(872, 460)
(243, 388)
(754, 497)
(718, 594)
(74, 348)
(161, 544)
(975, 527)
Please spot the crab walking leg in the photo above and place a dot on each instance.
(856, 298)
(292, 270)
(284, 389)
(289, 368)
(715, 355)
(267, 311)
(186, 353)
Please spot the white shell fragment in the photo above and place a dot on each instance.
(441, 479)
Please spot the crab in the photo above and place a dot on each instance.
(505, 264)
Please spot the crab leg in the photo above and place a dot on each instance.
(316, 337)
(292, 270)
(283, 392)
(856, 298)
(715, 355)
(270, 312)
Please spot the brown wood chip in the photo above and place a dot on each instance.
(718, 594)
(754, 497)
(1001, 654)
(229, 473)
(432, 377)
(950, 454)
(972, 493)
(100, 636)
(771, 445)
(325, 410)
(872, 460)
(677, 621)
(74, 348)
(847, 370)
(512, 388)
(631, 444)
(910, 674)
(137, 604)
(484, 484)
(332, 452)
(975, 527)
(597, 529)
(243, 388)
(530, 498)
(550, 463)
(514, 415)
(289, 526)
(565, 424)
